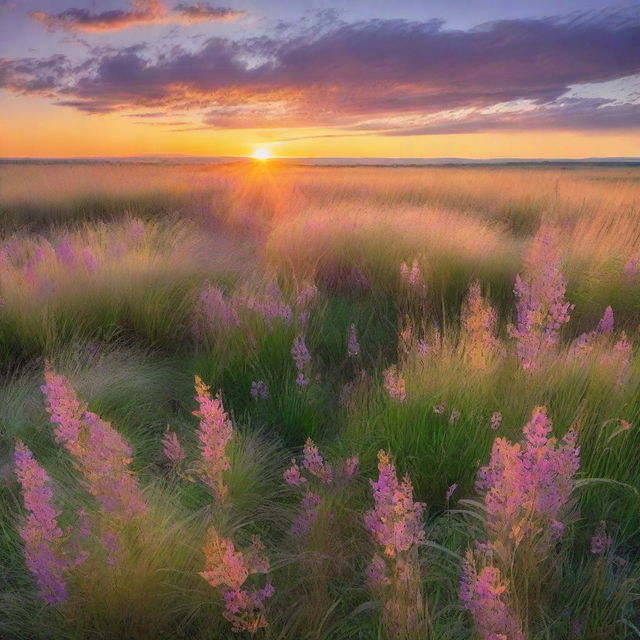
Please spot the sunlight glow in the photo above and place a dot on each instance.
(262, 154)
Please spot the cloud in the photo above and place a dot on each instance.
(203, 11)
(392, 76)
(141, 12)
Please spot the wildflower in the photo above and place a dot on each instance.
(396, 521)
(528, 484)
(353, 347)
(376, 572)
(451, 491)
(172, 449)
(395, 524)
(455, 415)
(100, 453)
(308, 514)
(479, 320)
(302, 359)
(260, 390)
(605, 326)
(600, 541)
(214, 433)
(306, 295)
(316, 471)
(293, 476)
(43, 538)
(483, 594)
(300, 353)
(413, 276)
(65, 251)
(394, 384)
(315, 464)
(496, 420)
(350, 467)
(541, 308)
(228, 570)
(439, 408)
(136, 230)
(89, 259)
(214, 311)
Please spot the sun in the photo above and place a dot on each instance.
(261, 154)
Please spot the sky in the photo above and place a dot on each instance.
(358, 78)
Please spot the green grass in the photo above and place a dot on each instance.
(123, 335)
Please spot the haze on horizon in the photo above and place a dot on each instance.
(475, 79)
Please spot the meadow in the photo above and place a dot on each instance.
(323, 403)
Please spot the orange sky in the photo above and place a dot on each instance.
(34, 128)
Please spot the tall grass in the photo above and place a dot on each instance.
(259, 280)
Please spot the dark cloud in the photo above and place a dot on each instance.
(203, 11)
(353, 76)
(141, 12)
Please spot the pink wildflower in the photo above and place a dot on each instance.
(450, 491)
(214, 433)
(541, 308)
(214, 311)
(528, 484)
(315, 464)
(65, 251)
(302, 359)
(100, 453)
(439, 408)
(396, 521)
(172, 449)
(319, 475)
(89, 259)
(394, 384)
(396, 525)
(43, 539)
(293, 476)
(306, 295)
(605, 326)
(308, 514)
(353, 347)
(483, 595)
(479, 319)
(376, 572)
(228, 570)
(413, 276)
(496, 420)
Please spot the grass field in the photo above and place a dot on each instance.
(479, 325)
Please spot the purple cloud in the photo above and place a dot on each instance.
(392, 76)
(142, 12)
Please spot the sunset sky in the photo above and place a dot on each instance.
(393, 78)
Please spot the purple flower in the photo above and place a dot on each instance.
(259, 390)
(394, 384)
(43, 539)
(605, 326)
(451, 491)
(353, 347)
(89, 259)
(496, 420)
(541, 308)
(484, 595)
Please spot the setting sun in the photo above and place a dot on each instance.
(262, 154)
